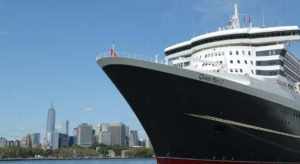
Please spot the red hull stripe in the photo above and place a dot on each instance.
(165, 160)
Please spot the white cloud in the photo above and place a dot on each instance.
(88, 109)
(20, 128)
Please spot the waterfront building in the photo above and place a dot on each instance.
(142, 143)
(117, 134)
(17, 143)
(55, 140)
(3, 142)
(50, 124)
(72, 140)
(75, 132)
(35, 139)
(46, 144)
(105, 138)
(60, 140)
(23, 142)
(95, 139)
(85, 132)
(124, 153)
(133, 138)
(104, 127)
(98, 129)
(1, 138)
(126, 135)
(11, 143)
(148, 144)
(65, 127)
(28, 141)
(111, 154)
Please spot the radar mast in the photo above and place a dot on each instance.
(235, 17)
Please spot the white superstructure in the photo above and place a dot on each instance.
(259, 53)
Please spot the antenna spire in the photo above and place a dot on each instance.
(235, 17)
(263, 13)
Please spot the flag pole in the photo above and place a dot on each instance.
(113, 46)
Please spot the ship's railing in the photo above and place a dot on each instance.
(155, 58)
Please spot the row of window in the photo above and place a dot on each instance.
(214, 54)
(269, 63)
(242, 52)
(180, 65)
(236, 70)
(271, 53)
(208, 64)
(269, 72)
(238, 62)
(291, 61)
(296, 71)
(291, 74)
(223, 53)
(232, 36)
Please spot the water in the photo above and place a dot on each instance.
(92, 161)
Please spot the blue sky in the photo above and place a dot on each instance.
(48, 51)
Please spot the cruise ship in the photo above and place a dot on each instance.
(225, 97)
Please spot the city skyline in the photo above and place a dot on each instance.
(47, 55)
(50, 130)
(84, 135)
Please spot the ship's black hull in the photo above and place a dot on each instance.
(190, 119)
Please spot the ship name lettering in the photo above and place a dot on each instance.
(211, 79)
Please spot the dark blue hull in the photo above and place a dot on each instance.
(191, 119)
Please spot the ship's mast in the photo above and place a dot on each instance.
(235, 17)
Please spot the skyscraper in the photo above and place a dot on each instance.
(105, 138)
(23, 142)
(117, 134)
(127, 135)
(72, 140)
(65, 127)
(17, 143)
(28, 141)
(50, 124)
(148, 144)
(104, 127)
(59, 140)
(3, 142)
(75, 132)
(85, 133)
(11, 143)
(98, 129)
(35, 139)
(133, 138)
